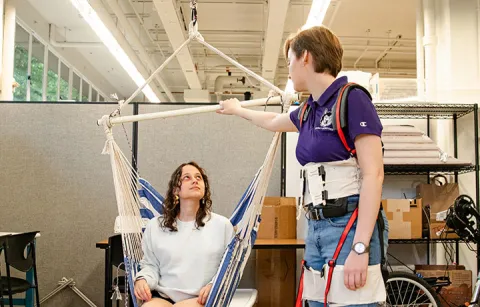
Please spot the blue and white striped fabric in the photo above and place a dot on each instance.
(231, 268)
(155, 200)
(133, 269)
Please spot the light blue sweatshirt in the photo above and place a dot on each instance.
(179, 264)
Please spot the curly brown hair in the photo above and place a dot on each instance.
(171, 210)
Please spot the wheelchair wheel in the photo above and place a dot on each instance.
(407, 289)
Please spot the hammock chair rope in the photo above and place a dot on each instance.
(247, 212)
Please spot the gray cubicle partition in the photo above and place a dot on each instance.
(230, 149)
(55, 179)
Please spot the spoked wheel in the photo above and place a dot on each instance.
(406, 289)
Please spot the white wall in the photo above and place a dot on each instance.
(457, 24)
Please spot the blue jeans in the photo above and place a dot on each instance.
(322, 240)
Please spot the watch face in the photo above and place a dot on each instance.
(359, 248)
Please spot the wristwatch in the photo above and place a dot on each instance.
(360, 248)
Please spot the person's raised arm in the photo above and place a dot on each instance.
(267, 120)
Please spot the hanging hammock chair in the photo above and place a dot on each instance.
(138, 201)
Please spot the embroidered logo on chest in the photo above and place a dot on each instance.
(325, 121)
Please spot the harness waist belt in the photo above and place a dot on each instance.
(329, 180)
(333, 208)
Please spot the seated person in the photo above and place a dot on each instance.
(184, 247)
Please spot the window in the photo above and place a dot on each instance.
(64, 72)
(76, 87)
(52, 77)
(36, 79)
(85, 89)
(20, 69)
(56, 86)
(94, 95)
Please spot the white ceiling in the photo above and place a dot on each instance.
(238, 28)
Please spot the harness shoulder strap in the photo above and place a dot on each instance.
(340, 113)
(302, 114)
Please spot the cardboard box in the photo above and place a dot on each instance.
(437, 196)
(276, 277)
(460, 290)
(404, 218)
(438, 267)
(278, 219)
(439, 230)
(276, 268)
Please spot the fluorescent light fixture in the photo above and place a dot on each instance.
(91, 17)
(315, 18)
(317, 13)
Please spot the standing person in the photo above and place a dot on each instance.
(337, 181)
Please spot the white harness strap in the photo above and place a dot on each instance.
(314, 285)
(329, 180)
(315, 282)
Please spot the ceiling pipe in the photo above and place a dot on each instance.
(363, 53)
(252, 44)
(237, 90)
(53, 41)
(259, 34)
(406, 71)
(135, 42)
(367, 50)
(383, 39)
(253, 94)
(359, 58)
(387, 50)
(283, 74)
(200, 53)
(221, 81)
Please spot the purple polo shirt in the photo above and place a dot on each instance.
(317, 141)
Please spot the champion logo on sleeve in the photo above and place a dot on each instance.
(363, 124)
